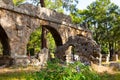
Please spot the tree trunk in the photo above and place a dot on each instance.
(42, 3)
(44, 32)
(43, 37)
(111, 50)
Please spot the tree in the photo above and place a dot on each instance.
(58, 5)
(103, 18)
(17, 2)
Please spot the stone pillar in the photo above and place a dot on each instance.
(18, 45)
(107, 58)
(116, 55)
(68, 54)
(100, 59)
(18, 50)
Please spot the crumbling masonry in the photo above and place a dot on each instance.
(18, 22)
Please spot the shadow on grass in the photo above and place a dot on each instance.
(107, 76)
(17, 76)
(18, 73)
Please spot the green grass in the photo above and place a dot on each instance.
(56, 71)
(106, 76)
(31, 76)
(17, 76)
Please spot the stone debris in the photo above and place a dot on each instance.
(115, 65)
(38, 60)
(41, 58)
(87, 49)
(20, 60)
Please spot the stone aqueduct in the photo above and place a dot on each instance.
(18, 22)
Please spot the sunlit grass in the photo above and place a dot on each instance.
(28, 74)
(16, 76)
(18, 73)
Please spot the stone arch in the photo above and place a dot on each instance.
(55, 34)
(4, 41)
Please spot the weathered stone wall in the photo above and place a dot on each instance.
(18, 28)
(20, 21)
(86, 48)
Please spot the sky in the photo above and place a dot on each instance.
(84, 3)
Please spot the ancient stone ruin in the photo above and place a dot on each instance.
(18, 22)
(86, 48)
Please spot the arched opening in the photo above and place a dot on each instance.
(34, 43)
(56, 35)
(4, 45)
(75, 56)
(53, 40)
(71, 54)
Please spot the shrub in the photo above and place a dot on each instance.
(57, 71)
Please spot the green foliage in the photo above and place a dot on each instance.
(17, 2)
(22, 75)
(54, 4)
(57, 71)
(107, 76)
(103, 17)
(34, 44)
(51, 42)
(105, 49)
(58, 5)
(17, 76)
(70, 5)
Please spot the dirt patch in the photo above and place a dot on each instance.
(103, 69)
(19, 69)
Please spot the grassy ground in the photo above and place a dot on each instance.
(107, 73)
(15, 76)
(106, 76)
(29, 73)
(28, 76)
(17, 73)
